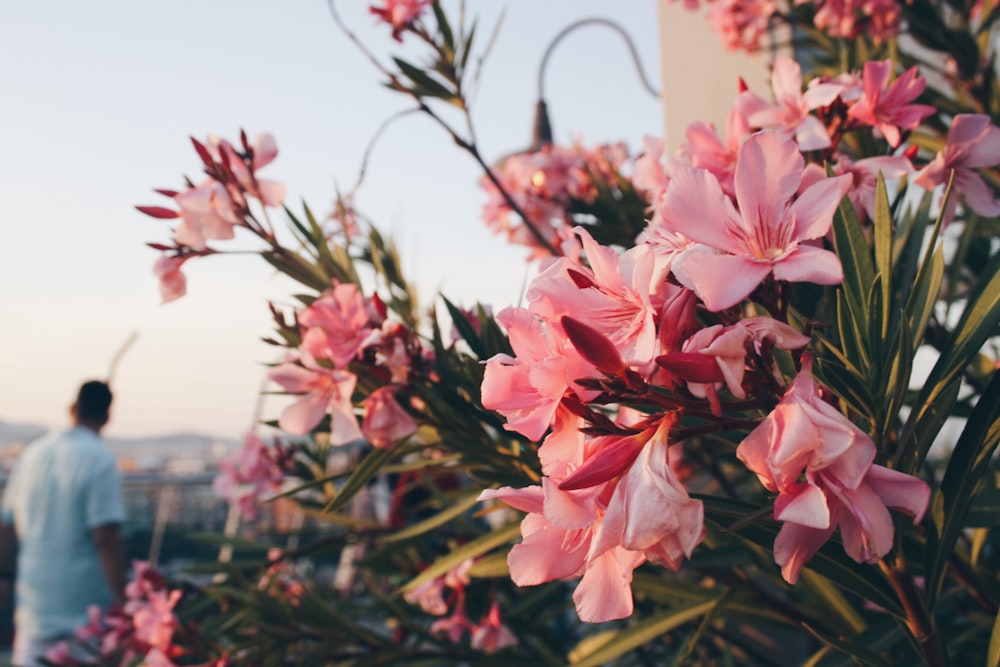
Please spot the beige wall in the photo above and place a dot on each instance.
(699, 74)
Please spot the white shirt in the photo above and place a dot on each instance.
(62, 486)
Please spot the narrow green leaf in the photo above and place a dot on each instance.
(641, 633)
(473, 549)
(853, 649)
(444, 27)
(883, 249)
(967, 468)
(435, 521)
(976, 326)
(993, 657)
(855, 256)
(368, 468)
(425, 85)
(926, 288)
(464, 327)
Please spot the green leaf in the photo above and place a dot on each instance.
(439, 519)
(857, 651)
(936, 399)
(473, 549)
(993, 657)
(883, 249)
(424, 84)
(831, 561)
(636, 635)
(464, 327)
(855, 256)
(367, 469)
(923, 296)
(967, 468)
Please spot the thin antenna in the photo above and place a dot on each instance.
(121, 353)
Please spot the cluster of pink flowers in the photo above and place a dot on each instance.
(818, 117)
(731, 221)
(338, 329)
(211, 210)
(143, 628)
(743, 25)
(251, 472)
(543, 185)
(283, 579)
(489, 635)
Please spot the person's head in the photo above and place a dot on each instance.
(92, 407)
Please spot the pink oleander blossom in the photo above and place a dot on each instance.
(649, 176)
(770, 233)
(864, 178)
(385, 422)
(206, 213)
(806, 436)
(325, 391)
(878, 19)
(618, 296)
(336, 324)
(400, 14)
(154, 618)
(973, 142)
(527, 388)
(593, 520)
(173, 284)
(264, 149)
(247, 474)
(491, 635)
(790, 112)
(706, 150)
(741, 24)
(887, 107)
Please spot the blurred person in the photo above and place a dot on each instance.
(60, 515)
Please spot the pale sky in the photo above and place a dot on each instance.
(97, 100)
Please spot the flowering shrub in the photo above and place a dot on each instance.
(705, 410)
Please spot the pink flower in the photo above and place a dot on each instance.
(666, 536)
(173, 284)
(769, 233)
(454, 626)
(491, 634)
(705, 150)
(648, 175)
(247, 474)
(887, 107)
(849, 18)
(325, 391)
(805, 435)
(154, 619)
(527, 389)
(741, 23)
(593, 520)
(385, 422)
(206, 213)
(264, 149)
(864, 175)
(615, 296)
(973, 142)
(400, 14)
(157, 658)
(790, 113)
(336, 324)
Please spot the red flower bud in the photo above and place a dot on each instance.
(692, 367)
(158, 212)
(594, 347)
(609, 462)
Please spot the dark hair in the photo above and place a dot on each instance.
(93, 401)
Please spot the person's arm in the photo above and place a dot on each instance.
(8, 559)
(111, 554)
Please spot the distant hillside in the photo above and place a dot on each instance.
(149, 452)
